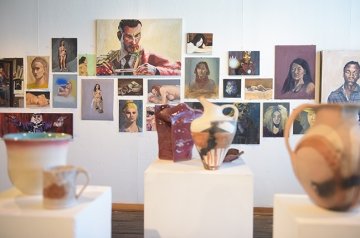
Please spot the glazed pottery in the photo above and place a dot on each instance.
(60, 186)
(29, 153)
(326, 160)
(173, 130)
(213, 133)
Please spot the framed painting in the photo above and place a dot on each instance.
(37, 72)
(248, 124)
(64, 54)
(97, 99)
(36, 122)
(12, 82)
(259, 88)
(340, 72)
(295, 71)
(199, 43)
(163, 91)
(232, 88)
(86, 64)
(130, 115)
(6, 84)
(275, 115)
(64, 91)
(37, 99)
(130, 86)
(304, 121)
(202, 77)
(150, 118)
(149, 47)
(244, 62)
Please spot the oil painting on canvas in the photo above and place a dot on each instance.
(295, 71)
(138, 47)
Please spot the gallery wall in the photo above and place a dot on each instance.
(120, 159)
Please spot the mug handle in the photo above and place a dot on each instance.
(289, 123)
(236, 111)
(82, 171)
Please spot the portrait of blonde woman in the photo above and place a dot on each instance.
(130, 116)
(274, 120)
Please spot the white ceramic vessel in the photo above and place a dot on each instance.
(29, 153)
(213, 133)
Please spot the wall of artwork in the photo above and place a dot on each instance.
(235, 28)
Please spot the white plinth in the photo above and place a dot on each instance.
(183, 199)
(296, 216)
(24, 216)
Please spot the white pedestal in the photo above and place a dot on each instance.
(296, 216)
(24, 216)
(183, 199)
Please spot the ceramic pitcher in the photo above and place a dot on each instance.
(326, 160)
(213, 133)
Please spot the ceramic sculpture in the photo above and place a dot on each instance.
(173, 129)
(326, 161)
(213, 133)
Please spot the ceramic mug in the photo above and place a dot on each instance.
(60, 186)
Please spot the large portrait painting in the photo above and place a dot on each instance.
(295, 71)
(340, 73)
(138, 47)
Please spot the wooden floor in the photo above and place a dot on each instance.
(128, 222)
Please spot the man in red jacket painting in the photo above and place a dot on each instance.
(132, 59)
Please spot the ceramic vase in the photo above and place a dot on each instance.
(326, 160)
(213, 133)
(29, 153)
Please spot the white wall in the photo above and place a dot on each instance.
(119, 160)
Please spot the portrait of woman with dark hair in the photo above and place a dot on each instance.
(202, 77)
(202, 82)
(299, 82)
(295, 67)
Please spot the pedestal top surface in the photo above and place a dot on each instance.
(13, 202)
(301, 206)
(196, 166)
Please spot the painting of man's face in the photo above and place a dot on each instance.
(333, 75)
(138, 47)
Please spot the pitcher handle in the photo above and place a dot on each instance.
(289, 123)
(82, 171)
(236, 111)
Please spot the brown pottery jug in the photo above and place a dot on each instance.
(326, 160)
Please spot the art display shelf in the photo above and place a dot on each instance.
(297, 216)
(182, 199)
(24, 216)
